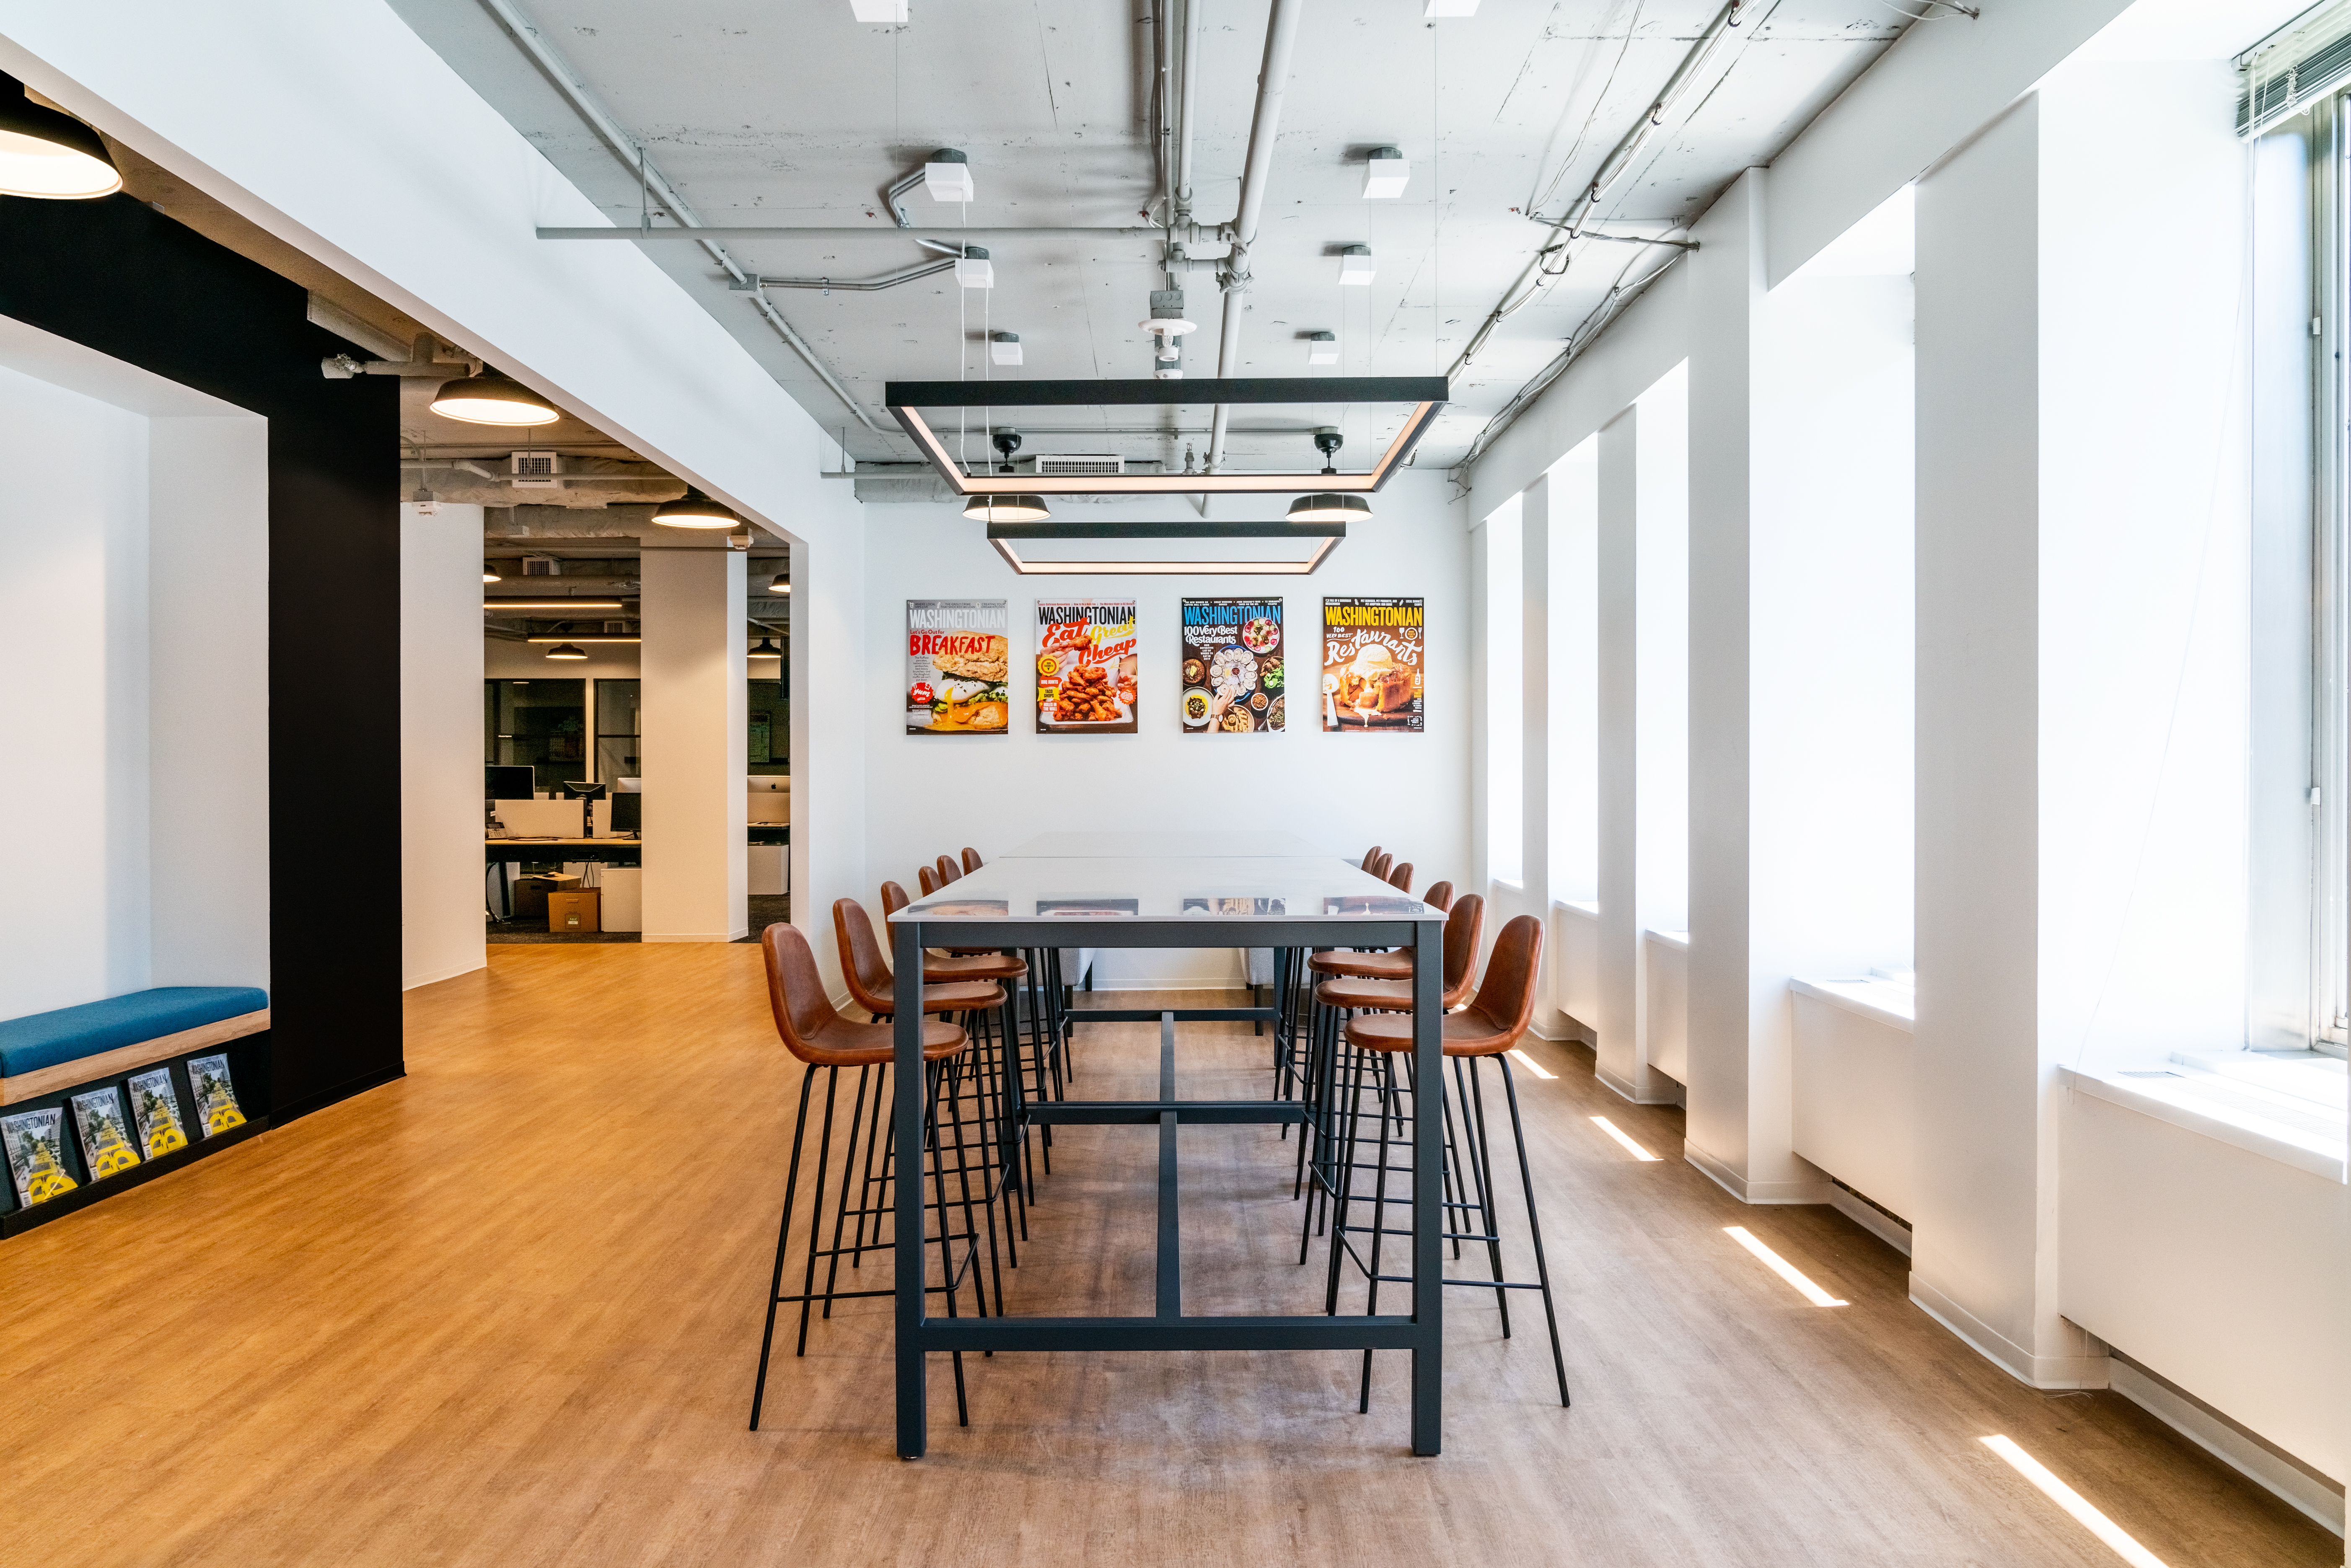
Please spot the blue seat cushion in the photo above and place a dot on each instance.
(68, 1034)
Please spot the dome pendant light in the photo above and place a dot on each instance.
(1007, 509)
(1330, 507)
(493, 399)
(49, 154)
(779, 584)
(567, 651)
(695, 510)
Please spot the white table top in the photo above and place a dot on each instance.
(1162, 846)
(1097, 891)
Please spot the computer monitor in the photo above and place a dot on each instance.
(629, 813)
(510, 784)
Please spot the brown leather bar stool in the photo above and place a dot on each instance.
(948, 870)
(988, 964)
(986, 1007)
(1401, 877)
(971, 861)
(1465, 926)
(1044, 988)
(1485, 1030)
(825, 1041)
(1379, 867)
(1439, 896)
(1371, 857)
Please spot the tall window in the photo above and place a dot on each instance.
(540, 725)
(617, 731)
(1505, 689)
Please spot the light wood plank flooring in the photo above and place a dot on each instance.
(506, 1311)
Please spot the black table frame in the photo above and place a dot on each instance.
(1420, 1331)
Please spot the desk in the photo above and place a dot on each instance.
(506, 853)
(1141, 895)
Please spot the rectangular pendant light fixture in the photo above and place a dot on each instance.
(577, 638)
(1417, 400)
(509, 606)
(1322, 537)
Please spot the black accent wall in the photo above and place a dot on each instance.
(120, 277)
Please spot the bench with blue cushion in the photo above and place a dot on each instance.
(47, 1052)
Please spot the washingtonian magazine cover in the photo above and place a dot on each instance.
(1372, 673)
(959, 662)
(106, 1148)
(1233, 675)
(1086, 661)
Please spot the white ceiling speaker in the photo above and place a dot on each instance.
(1355, 265)
(974, 270)
(948, 177)
(1385, 173)
(1004, 347)
(1322, 348)
(881, 12)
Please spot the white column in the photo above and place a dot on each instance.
(1534, 753)
(693, 674)
(1573, 832)
(1800, 672)
(2083, 664)
(442, 875)
(1642, 662)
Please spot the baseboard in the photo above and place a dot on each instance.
(1189, 983)
(1624, 1090)
(2032, 1371)
(2303, 1486)
(739, 933)
(1756, 1192)
(1870, 1218)
(281, 1114)
(434, 980)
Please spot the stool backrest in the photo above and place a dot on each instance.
(1371, 857)
(1506, 997)
(929, 877)
(948, 870)
(862, 963)
(1441, 895)
(1401, 877)
(794, 990)
(971, 861)
(894, 899)
(1464, 923)
(1379, 868)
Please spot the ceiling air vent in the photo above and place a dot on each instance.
(541, 566)
(535, 470)
(1080, 465)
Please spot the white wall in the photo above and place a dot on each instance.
(441, 874)
(693, 718)
(403, 179)
(1342, 793)
(138, 783)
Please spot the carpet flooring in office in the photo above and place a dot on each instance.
(504, 1311)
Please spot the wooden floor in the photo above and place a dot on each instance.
(506, 1311)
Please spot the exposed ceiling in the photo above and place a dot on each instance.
(762, 113)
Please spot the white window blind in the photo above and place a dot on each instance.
(2303, 61)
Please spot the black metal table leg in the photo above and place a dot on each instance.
(913, 1423)
(1428, 1190)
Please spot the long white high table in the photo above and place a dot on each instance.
(1147, 891)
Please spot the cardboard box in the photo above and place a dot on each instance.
(575, 910)
(531, 893)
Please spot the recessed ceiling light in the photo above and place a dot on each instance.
(695, 510)
(493, 399)
(1355, 265)
(1007, 509)
(1385, 173)
(566, 650)
(49, 154)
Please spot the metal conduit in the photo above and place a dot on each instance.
(559, 74)
(1529, 282)
(1272, 81)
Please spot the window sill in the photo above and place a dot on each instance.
(1889, 1002)
(1589, 911)
(1668, 938)
(2231, 1107)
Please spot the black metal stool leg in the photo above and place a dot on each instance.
(783, 1241)
(1534, 1229)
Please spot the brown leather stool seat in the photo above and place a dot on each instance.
(1394, 966)
(1464, 923)
(957, 964)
